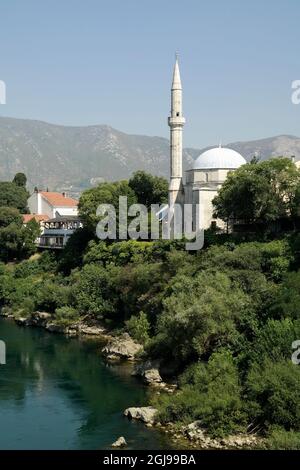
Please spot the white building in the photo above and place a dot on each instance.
(57, 215)
(52, 204)
(209, 171)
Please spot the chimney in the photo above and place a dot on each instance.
(64, 194)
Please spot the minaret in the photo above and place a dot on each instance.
(176, 122)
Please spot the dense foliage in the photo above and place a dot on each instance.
(260, 192)
(149, 189)
(16, 240)
(222, 320)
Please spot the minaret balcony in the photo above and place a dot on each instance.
(176, 121)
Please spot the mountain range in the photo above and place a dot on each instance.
(73, 158)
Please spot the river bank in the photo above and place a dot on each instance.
(116, 348)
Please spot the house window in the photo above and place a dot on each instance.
(177, 114)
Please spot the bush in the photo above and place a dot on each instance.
(51, 295)
(200, 315)
(274, 340)
(94, 291)
(273, 391)
(66, 316)
(211, 393)
(280, 439)
(139, 327)
(286, 303)
(27, 268)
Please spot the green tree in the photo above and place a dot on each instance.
(20, 180)
(94, 291)
(200, 314)
(148, 188)
(286, 302)
(17, 241)
(14, 194)
(9, 215)
(104, 193)
(273, 391)
(209, 392)
(274, 340)
(139, 327)
(260, 192)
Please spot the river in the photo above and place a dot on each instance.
(57, 393)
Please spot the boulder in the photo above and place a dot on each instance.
(90, 330)
(21, 320)
(42, 316)
(120, 442)
(146, 414)
(39, 319)
(54, 328)
(4, 312)
(149, 371)
(121, 347)
(72, 332)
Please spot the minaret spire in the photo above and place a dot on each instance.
(176, 122)
(176, 83)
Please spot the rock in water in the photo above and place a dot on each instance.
(122, 347)
(147, 414)
(149, 371)
(120, 442)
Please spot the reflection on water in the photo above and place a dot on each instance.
(56, 393)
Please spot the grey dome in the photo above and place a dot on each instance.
(219, 157)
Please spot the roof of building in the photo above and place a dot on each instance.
(59, 199)
(219, 158)
(37, 217)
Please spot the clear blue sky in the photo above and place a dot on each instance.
(110, 62)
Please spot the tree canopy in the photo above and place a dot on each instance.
(16, 240)
(149, 189)
(14, 194)
(104, 193)
(260, 192)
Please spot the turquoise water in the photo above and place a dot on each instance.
(57, 393)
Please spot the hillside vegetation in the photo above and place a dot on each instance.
(222, 320)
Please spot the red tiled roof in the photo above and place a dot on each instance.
(58, 199)
(36, 217)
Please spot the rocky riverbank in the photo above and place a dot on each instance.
(192, 435)
(123, 348)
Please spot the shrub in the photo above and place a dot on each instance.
(139, 327)
(201, 314)
(280, 439)
(211, 393)
(66, 316)
(274, 389)
(94, 291)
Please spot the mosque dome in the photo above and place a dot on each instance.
(219, 158)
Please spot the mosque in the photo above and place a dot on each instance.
(209, 170)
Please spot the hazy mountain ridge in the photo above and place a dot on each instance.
(65, 157)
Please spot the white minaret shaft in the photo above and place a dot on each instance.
(176, 122)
